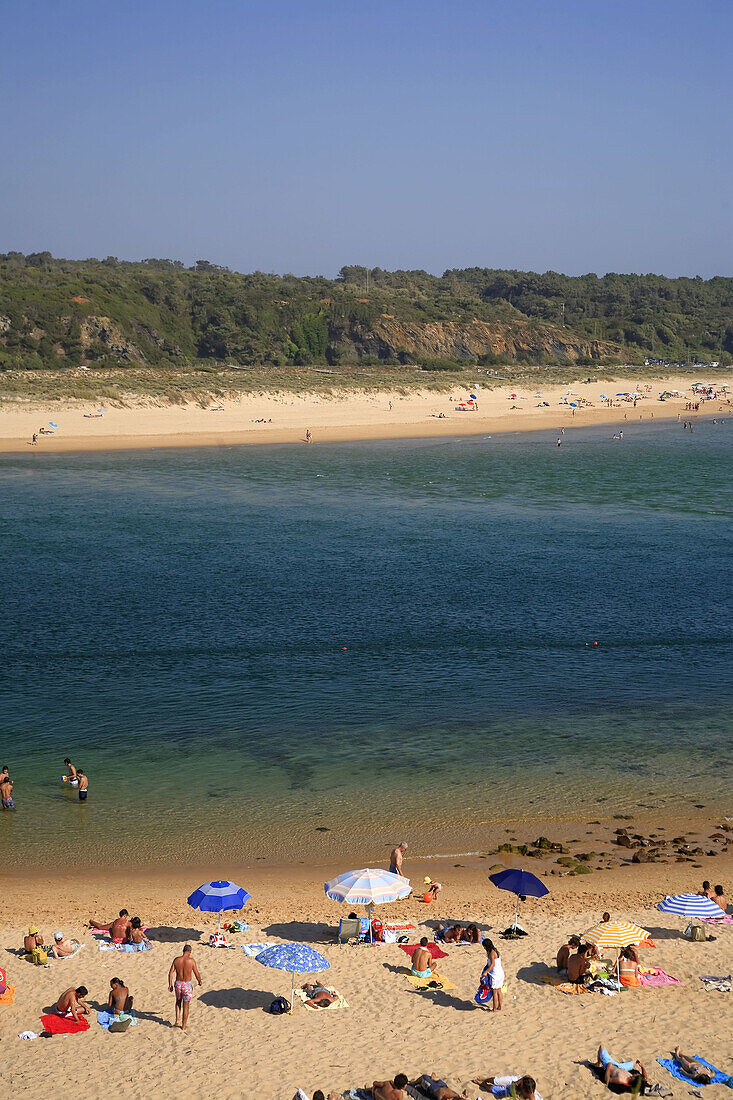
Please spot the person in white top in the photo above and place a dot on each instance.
(524, 1087)
(492, 979)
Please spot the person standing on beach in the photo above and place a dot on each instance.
(395, 859)
(308, 436)
(183, 970)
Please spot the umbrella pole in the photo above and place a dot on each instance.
(218, 924)
(516, 915)
(292, 992)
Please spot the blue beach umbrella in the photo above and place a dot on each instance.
(53, 424)
(574, 404)
(215, 897)
(473, 396)
(522, 883)
(690, 906)
(295, 957)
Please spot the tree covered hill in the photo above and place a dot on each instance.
(66, 313)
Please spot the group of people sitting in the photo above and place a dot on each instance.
(717, 895)
(123, 929)
(35, 950)
(72, 1003)
(456, 933)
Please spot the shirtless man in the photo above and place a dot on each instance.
(389, 1090)
(566, 951)
(452, 933)
(63, 948)
(33, 940)
(72, 1003)
(437, 1089)
(623, 1075)
(83, 786)
(423, 963)
(318, 995)
(395, 859)
(579, 964)
(71, 771)
(6, 793)
(184, 969)
(117, 929)
(119, 997)
(720, 899)
(692, 1068)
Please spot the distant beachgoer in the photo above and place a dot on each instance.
(72, 1003)
(119, 1000)
(720, 898)
(319, 996)
(389, 1090)
(63, 948)
(83, 786)
(437, 1089)
(184, 970)
(567, 949)
(562, 431)
(492, 979)
(579, 964)
(134, 932)
(524, 1087)
(693, 1068)
(707, 891)
(390, 406)
(606, 918)
(470, 934)
(33, 940)
(620, 1075)
(628, 970)
(70, 776)
(308, 436)
(34, 439)
(559, 441)
(6, 793)
(4, 772)
(450, 933)
(117, 928)
(423, 963)
(431, 889)
(395, 859)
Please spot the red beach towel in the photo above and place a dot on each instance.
(435, 952)
(62, 1025)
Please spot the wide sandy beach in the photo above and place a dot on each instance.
(235, 1049)
(285, 417)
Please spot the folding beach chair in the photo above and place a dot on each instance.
(349, 929)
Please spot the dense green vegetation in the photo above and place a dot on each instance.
(157, 313)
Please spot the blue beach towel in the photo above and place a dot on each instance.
(670, 1065)
(105, 1018)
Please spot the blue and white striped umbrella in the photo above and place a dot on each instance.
(215, 897)
(690, 905)
(295, 957)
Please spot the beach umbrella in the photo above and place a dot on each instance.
(295, 957)
(615, 935)
(53, 424)
(574, 404)
(473, 396)
(369, 886)
(690, 906)
(216, 897)
(522, 883)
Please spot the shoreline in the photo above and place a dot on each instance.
(347, 417)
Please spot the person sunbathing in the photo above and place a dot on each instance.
(691, 1067)
(450, 933)
(389, 1090)
(33, 940)
(525, 1087)
(437, 1089)
(72, 1003)
(134, 933)
(620, 1076)
(318, 995)
(470, 934)
(116, 928)
(567, 949)
(579, 964)
(63, 948)
(423, 963)
(119, 1000)
(628, 968)
(720, 898)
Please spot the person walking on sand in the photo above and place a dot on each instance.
(183, 970)
(395, 859)
(308, 436)
(492, 979)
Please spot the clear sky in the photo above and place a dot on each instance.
(300, 135)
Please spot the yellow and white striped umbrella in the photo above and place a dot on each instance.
(615, 934)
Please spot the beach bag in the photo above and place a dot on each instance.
(695, 933)
(279, 1007)
(39, 956)
(218, 939)
(388, 936)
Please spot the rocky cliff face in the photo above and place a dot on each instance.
(455, 340)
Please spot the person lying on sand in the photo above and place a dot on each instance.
(317, 1095)
(567, 949)
(524, 1087)
(63, 948)
(388, 1090)
(692, 1068)
(423, 963)
(470, 934)
(119, 1000)
(72, 1003)
(620, 1076)
(117, 928)
(449, 933)
(436, 1089)
(134, 932)
(318, 995)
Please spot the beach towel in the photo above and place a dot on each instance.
(564, 987)
(671, 1066)
(63, 1025)
(724, 918)
(401, 928)
(340, 1003)
(104, 932)
(657, 978)
(53, 959)
(424, 983)
(105, 1018)
(254, 949)
(130, 948)
(357, 1094)
(648, 942)
(719, 983)
(7, 998)
(435, 952)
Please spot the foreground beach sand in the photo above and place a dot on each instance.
(235, 1049)
(285, 417)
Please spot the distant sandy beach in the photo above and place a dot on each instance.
(285, 417)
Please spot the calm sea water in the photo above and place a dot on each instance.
(243, 646)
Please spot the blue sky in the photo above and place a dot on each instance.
(300, 136)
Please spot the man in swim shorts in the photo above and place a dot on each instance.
(395, 859)
(117, 928)
(72, 1003)
(6, 793)
(423, 963)
(437, 1089)
(63, 948)
(622, 1075)
(183, 970)
(83, 786)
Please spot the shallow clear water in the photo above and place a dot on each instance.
(175, 621)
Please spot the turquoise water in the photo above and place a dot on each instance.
(242, 646)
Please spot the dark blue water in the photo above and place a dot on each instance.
(250, 640)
